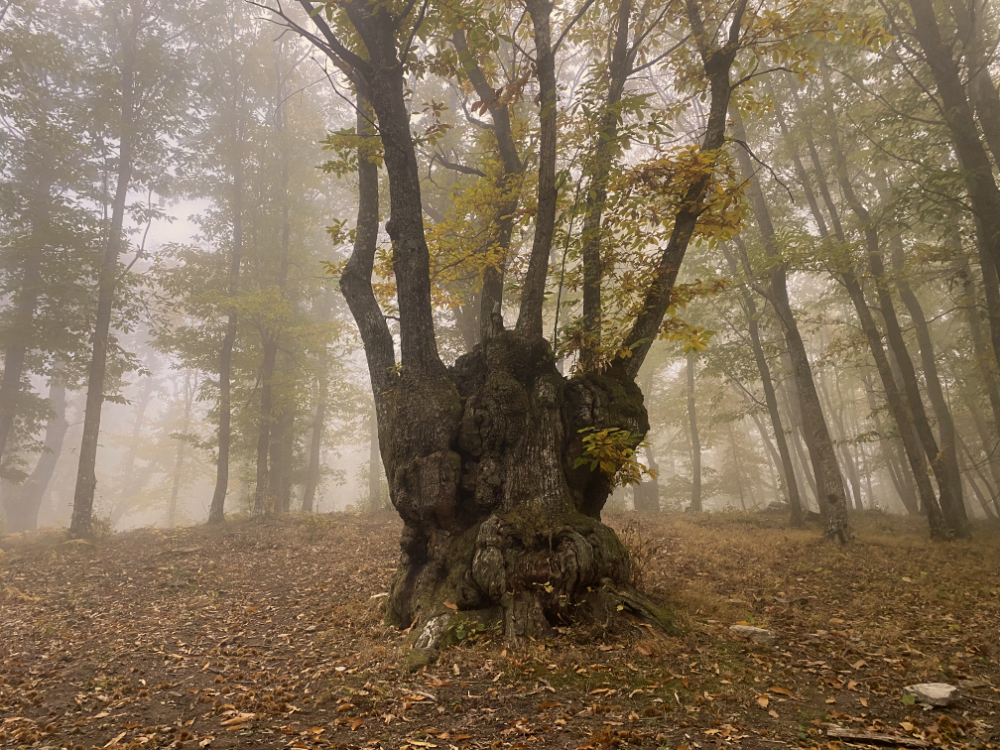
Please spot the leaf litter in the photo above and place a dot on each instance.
(269, 635)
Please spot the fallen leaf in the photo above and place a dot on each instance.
(780, 691)
(114, 742)
(240, 718)
(763, 700)
(451, 605)
(644, 650)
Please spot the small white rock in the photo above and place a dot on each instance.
(757, 635)
(933, 693)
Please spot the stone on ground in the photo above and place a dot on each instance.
(933, 693)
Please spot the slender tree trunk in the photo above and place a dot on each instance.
(86, 480)
(282, 453)
(898, 406)
(856, 456)
(848, 467)
(189, 392)
(833, 502)
(217, 510)
(986, 439)
(932, 382)
(262, 500)
(902, 482)
(770, 398)
(912, 411)
(736, 463)
(983, 92)
(270, 475)
(986, 364)
(989, 504)
(529, 319)
(790, 397)
(23, 502)
(695, 440)
(977, 170)
(315, 449)
(646, 495)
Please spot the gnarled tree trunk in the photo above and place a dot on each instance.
(499, 518)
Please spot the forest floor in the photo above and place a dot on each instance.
(267, 635)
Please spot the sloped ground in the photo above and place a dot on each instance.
(266, 635)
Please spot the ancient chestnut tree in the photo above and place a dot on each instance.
(495, 463)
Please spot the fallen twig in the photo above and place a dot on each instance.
(887, 739)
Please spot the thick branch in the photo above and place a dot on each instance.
(717, 62)
(356, 280)
(605, 146)
(529, 321)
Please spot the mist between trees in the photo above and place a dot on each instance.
(531, 259)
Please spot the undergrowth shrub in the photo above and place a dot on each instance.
(642, 550)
